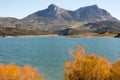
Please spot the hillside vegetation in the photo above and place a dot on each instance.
(21, 32)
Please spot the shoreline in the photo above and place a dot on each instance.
(90, 36)
(69, 36)
(28, 36)
(93, 35)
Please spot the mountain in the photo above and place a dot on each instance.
(93, 13)
(55, 18)
(58, 20)
(89, 13)
(52, 18)
(52, 12)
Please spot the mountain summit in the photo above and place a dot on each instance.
(53, 7)
(93, 13)
(52, 11)
(89, 13)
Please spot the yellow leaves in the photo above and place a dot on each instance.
(82, 66)
(14, 72)
(116, 71)
(30, 73)
(86, 66)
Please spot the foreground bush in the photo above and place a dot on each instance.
(115, 71)
(90, 67)
(14, 72)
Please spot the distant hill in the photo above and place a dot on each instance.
(58, 20)
(8, 22)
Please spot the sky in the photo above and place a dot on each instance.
(22, 8)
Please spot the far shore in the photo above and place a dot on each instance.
(68, 36)
(93, 35)
(28, 36)
(77, 36)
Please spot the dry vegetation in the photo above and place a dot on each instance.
(82, 66)
(90, 67)
(14, 72)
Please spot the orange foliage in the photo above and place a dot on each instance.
(14, 72)
(86, 66)
(116, 71)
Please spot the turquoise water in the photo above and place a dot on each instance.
(49, 53)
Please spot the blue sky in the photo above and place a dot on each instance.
(22, 8)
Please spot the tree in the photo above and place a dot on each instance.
(14, 72)
(84, 66)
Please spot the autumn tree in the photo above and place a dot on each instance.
(115, 71)
(14, 72)
(84, 66)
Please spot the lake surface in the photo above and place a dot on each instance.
(49, 53)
